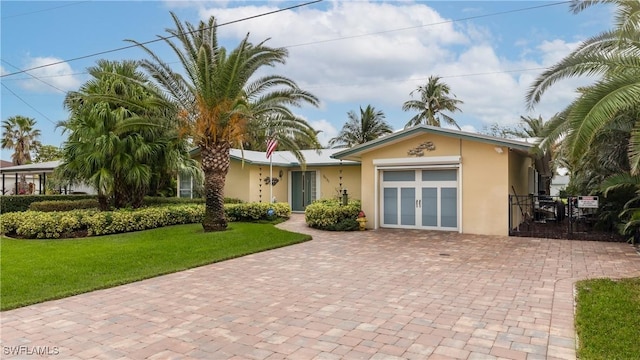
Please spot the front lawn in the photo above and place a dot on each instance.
(608, 319)
(33, 271)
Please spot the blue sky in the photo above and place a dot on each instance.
(348, 53)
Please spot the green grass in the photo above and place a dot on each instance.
(33, 271)
(608, 319)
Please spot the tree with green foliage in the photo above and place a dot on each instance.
(600, 129)
(220, 93)
(435, 99)
(20, 135)
(298, 136)
(369, 125)
(120, 135)
(613, 55)
(46, 153)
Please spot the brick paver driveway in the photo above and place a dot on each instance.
(382, 294)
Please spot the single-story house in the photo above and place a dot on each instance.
(36, 175)
(249, 180)
(422, 177)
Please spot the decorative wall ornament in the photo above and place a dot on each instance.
(260, 186)
(273, 181)
(419, 150)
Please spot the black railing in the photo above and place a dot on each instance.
(554, 217)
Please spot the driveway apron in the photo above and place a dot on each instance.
(383, 294)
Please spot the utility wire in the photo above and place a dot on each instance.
(493, 72)
(431, 24)
(36, 77)
(337, 39)
(26, 103)
(43, 10)
(160, 38)
(319, 86)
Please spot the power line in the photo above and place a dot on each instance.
(34, 77)
(318, 41)
(432, 24)
(45, 76)
(160, 38)
(425, 78)
(26, 103)
(43, 10)
(493, 72)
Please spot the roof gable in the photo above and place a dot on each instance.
(355, 152)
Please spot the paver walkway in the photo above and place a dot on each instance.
(384, 294)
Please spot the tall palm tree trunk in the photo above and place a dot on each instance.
(215, 165)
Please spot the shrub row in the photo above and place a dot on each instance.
(47, 225)
(332, 215)
(16, 203)
(256, 211)
(13, 203)
(64, 205)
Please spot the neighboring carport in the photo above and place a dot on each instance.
(35, 174)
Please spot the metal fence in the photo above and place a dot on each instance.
(554, 217)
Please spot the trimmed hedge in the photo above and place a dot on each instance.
(158, 200)
(47, 225)
(13, 203)
(332, 215)
(256, 211)
(64, 205)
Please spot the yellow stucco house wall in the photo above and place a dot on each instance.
(419, 178)
(433, 178)
(321, 178)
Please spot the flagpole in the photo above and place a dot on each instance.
(271, 179)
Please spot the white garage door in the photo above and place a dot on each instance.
(424, 199)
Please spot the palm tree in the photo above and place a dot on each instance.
(545, 154)
(614, 56)
(19, 134)
(369, 125)
(597, 126)
(299, 135)
(119, 138)
(434, 99)
(219, 96)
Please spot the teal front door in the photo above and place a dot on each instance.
(303, 189)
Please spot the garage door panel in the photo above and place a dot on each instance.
(439, 175)
(420, 198)
(449, 208)
(390, 210)
(399, 176)
(408, 206)
(429, 206)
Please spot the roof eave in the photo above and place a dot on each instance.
(354, 152)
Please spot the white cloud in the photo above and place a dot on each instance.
(53, 78)
(327, 130)
(554, 50)
(346, 58)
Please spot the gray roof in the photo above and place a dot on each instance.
(48, 166)
(322, 157)
(354, 152)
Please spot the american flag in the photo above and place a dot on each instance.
(271, 146)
